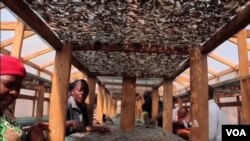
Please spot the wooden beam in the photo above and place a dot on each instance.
(22, 10)
(18, 40)
(127, 123)
(222, 60)
(90, 101)
(244, 71)
(130, 48)
(41, 52)
(81, 67)
(212, 71)
(199, 95)
(234, 40)
(229, 104)
(241, 20)
(113, 107)
(138, 84)
(167, 105)
(47, 64)
(59, 94)
(185, 64)
(40, 101)
(8, 26)
(8, 42)
(105, 102)
(99, 106)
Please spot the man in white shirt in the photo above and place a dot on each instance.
(216, 118)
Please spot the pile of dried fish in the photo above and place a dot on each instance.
(174, 22)
(140, 133)
(130, 64)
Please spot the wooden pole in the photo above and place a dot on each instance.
(244, 71)
(59, 93)
(112, 107)
(155, 103)
(167, 105)
(90, 101)
(199, 95)
(128, 104)
(99, 106)
(105, 102)
(40, 100)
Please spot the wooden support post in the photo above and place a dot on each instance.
(112, 107)
(244, 71)
(90, 101)
(105, 102)
(167, 105)
(99, 105)
(40, 100)
(155, 103)
(109, 103)
(199, 95)
(139, 103)
(128, 104)
(59, 93)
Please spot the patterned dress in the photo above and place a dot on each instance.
(10, 130)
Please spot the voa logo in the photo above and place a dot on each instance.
(236, 132)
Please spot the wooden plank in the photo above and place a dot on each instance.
(18, 40)
(112, 107)
(22, 10)
(59, 92)
(167, 105)
(234, 40)
(41, 52)
(90, 101)
(229, 104)
(244, 71)
(240, 21)
(130, 48)
(185, 64)
(8, 42)
(127, 123)
(7, 25)
(222, 60)
(40, 101)
(99, 106)
(81, 67)
(155, 99)
(47, 64)
(138, 84)
(212, 71)
(27, 97)
(199, 95)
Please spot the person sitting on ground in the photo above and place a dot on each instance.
(77, 114)
(147, 110)
(183, 116)
(12, 73)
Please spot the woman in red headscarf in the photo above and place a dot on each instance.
(12, 73)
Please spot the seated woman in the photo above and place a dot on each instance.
(181, 126)
(77, 115)
(12, 73)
